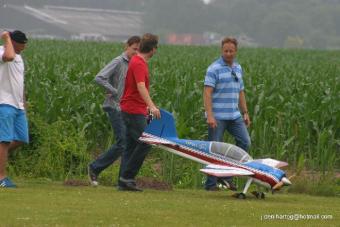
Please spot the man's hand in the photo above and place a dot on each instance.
(26, 106)
(5, 35)
(155, 112)
(246, 119)
(211, 121)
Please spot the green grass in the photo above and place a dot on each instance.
(50, 203)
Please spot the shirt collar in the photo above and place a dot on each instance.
(222, 62)
(125, 57)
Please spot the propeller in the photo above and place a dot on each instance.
(284, 182)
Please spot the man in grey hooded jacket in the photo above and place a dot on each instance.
(112, 78)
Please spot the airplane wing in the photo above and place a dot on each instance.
(271, 162)
(154, 141)
(225, 171)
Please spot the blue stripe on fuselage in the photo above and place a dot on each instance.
(267, 169)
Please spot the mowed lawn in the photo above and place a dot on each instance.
(53, 204)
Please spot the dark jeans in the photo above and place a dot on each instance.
(238, 130)
(136, 151)
(116, 150)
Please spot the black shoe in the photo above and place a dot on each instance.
(93, 178)
(229, 184)
(128, 186)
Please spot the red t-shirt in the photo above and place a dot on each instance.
(131, 101)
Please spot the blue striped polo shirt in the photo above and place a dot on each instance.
(225, 97)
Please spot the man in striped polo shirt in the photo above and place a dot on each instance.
(225, 104)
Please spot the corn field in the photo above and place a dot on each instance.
(293, 98)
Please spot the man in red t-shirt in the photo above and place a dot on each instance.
(134, 105)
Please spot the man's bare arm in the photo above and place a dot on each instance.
(244, 109)
(9, 53)
(147, 99)
(208, 106)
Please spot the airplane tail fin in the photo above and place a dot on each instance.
(164, 127)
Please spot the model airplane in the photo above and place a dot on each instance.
(222, 159)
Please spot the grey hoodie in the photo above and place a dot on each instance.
(112, 78)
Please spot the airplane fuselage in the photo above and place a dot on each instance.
(200, 151)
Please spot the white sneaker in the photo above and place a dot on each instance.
(92, 177)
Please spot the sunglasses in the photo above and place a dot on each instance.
(234, 75)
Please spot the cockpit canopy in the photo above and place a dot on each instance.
(230, 151)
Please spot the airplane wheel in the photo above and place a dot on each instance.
(262, 195)
(240, 195)
(256, 194)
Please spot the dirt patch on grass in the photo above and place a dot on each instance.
(142, 182)
(151, 183)
(75, 182)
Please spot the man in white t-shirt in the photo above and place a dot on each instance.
(13, 121)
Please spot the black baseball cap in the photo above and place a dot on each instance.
(18, 36)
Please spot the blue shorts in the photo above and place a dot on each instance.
(13, 124)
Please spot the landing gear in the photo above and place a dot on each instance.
(259, 195)
(240, 195)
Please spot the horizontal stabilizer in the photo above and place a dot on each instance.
(271, 162)
(225, 171)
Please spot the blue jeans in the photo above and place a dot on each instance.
(136, 151)
(116, 150)
(238, 130)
